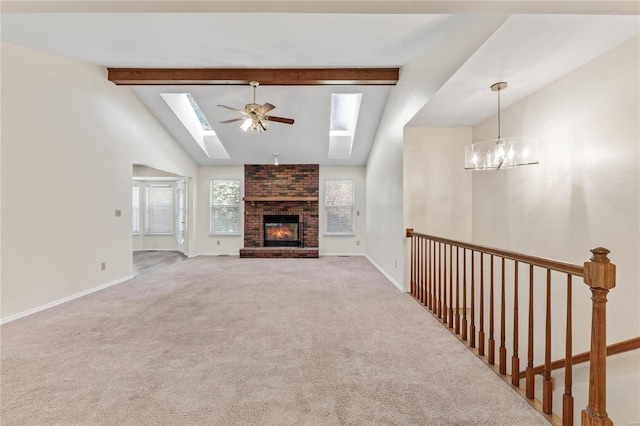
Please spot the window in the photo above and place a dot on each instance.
(159, 209)
(201, 117)
(338, 206)
(135, 209)
(225, 206)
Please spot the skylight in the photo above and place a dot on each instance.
(345, 108)
(193, 119)
(198, 111)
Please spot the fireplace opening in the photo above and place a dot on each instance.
(281, 231)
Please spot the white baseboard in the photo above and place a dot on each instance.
(63, 300)
(216, 254)
(387, 276)
(342, 254)
(156, 249)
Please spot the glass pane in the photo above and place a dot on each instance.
(225, 219)
(226, 192)
(339, 219)
(159, 210)
(135, 209)
(339, 193)
(203, 120)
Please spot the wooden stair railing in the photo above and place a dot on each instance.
(436, 270)
(614, 349)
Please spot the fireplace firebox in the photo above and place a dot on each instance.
(282, 231)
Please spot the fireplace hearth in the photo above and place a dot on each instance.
(282, 231)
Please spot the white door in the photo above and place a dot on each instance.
(181, 216)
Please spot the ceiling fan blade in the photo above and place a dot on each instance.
(233, 120)
(266, 108)
(233, 109)
(279, 119)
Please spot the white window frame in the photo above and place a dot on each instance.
(148, 206)
(213, 206)
(352, 205)
(135, 209)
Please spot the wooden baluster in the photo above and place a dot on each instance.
(421, 271)
(425, 273)
(444, 288)
(417, 270)
(464, 294)
(472, 331)
(425, 299)
(503, 331)
(567, 397)
(457, 320)
(439, 301)
(492, 341)
(420, 260)
(600, 276)
(430, 283)
(547, 386)
(413, 259)
(433, 293)
(530, 377)
(481, 332)
(515, 360)
(450, 286)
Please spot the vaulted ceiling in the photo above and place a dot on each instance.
(537, 43)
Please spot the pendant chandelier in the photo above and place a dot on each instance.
(501, 153)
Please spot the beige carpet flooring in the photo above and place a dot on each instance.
(229, 341)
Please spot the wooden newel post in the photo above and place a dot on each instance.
(600, 276)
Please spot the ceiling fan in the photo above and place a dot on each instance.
(256, 118)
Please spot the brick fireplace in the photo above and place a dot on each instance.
(279, 192)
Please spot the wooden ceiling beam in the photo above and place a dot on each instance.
(265, 76)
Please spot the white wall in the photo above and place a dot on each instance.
(217, 244)
(69, 139)
(344, 244)
(584, 193)
(437, 188)
(385, 232)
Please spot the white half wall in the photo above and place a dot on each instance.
(69, 139)
(584, 193)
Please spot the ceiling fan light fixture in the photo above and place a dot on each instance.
(255, 115)
(501, 153)
(246, 124)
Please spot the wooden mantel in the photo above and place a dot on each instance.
(307, 199)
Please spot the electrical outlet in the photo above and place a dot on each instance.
(103, 266)
(118, 212)
(218, 242)
(357, 243)
(357, 212)
(396, 263)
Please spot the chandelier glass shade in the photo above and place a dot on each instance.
(501, 153)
